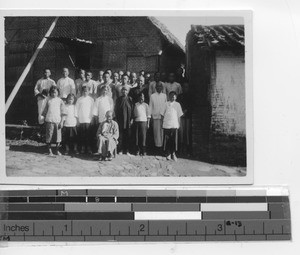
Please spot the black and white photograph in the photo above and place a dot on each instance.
(129, 97)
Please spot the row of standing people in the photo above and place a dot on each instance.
(115, 81)
(126, 102)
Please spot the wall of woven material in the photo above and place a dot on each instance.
(119, 43)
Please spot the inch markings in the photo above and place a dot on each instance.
(145, 215)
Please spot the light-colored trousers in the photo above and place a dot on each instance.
(158, 132)
(105, 145)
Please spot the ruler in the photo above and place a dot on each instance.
(84, 215)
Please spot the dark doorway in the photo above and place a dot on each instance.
(79, 50)
(82, 58)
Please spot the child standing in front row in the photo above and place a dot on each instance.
(70, 122)
(171, 114)
(84, 107)
(53, 117)
(141, 118)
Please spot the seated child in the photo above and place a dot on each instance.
(53, 117)
(142, 119)
(171, 114)
(108, 134)
(69, 125)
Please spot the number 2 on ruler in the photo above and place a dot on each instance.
(142, 227)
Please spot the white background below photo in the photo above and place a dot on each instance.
(276, 35)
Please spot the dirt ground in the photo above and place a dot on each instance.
(29, 158)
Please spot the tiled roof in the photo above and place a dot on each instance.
(219, 36)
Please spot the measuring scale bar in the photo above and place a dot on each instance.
(142, 230)
(145, 215)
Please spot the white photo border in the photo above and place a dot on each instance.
(137, 181)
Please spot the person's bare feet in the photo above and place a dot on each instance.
(174, 157)
(50, 153)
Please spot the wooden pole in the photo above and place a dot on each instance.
(29, 65)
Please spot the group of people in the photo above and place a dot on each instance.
(114, 113)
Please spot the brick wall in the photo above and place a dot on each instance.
(227, 137)
(217, 83)
(228, 95)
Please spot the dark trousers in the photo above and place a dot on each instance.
(140, 135)
(124, 139)
(170, 140)
(85, 134)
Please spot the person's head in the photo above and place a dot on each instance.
(171, 77)
(124, 91)
(89, 75)
(172, 96)
(71, 99)
(133, 77)
(47, 73)
(147, 78)
(82, 74)
(157, 76)
(179, 72)
(159, 87)
(121, 74)
(115, 77)
(163, 76)
(141, 97)
(85, 91)
(125, 79)
(128, 73)
(106, 77)
(53, 91)
(65, 72)
(141, 81)
(103, 91)
(109, 116)
(100, 74)
(185, 86)
(142, 73)
(109, 71)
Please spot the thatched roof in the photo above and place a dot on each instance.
(166, 33)
(219, 36)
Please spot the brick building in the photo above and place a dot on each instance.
(94, 43)
(216, 71)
